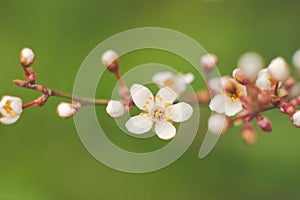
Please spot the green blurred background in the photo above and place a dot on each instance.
(42, 156)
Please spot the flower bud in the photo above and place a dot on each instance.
(264, 124)
(239, 76)
(296, 59)
(110, 60)
(278, 69)
(26, 57)
(248, 134)
(67, 110)
(250, 63)
(287, 108)
(209, 61)
(218, 124)
(296, 118)
(115, 108)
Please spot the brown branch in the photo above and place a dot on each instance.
(50, 92)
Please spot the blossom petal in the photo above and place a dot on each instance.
(179, 112)
(165, 96)
(165, 130)
(9, 120)
(189, 77)
(142, 97)
(16, 105)
(161, 77)
(232, 107)
(217, 104)
(139, 124)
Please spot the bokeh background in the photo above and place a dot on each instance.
(42, 156)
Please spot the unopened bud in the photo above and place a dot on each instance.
(26, 57)
(209, 61)
(67, 110)
(289, 83)
(239, 76)
(110, 60)
(250, 63)
(287, 108)
(278, 69)
(264, 124)
(115, 108)
(248, 134)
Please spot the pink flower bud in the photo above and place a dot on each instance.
(248, 134)
(287, 108)
(264, 124)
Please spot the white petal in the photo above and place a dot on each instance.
(179, 112)
(9, 120)
(232, 107)
(161, 77)
(115, 108)
(189, 77)
(218, 123)
(142, 97)
(165, 130)
(217, 104)
(139, 124)
(165, 96)
(263, 83)
(296, 118)
(16, 105)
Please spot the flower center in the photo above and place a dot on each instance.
(8, 109)
(157, 113)
(232, 90)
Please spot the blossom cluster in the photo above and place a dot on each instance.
(239, 99)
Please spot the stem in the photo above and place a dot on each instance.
(276, 89)
(28, 105)
(51, 92)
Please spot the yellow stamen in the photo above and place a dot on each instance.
(8, 109)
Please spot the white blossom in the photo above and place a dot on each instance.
(177, 82)
(115, 108)
(10, 109)
(228, 100)
(159, 110)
